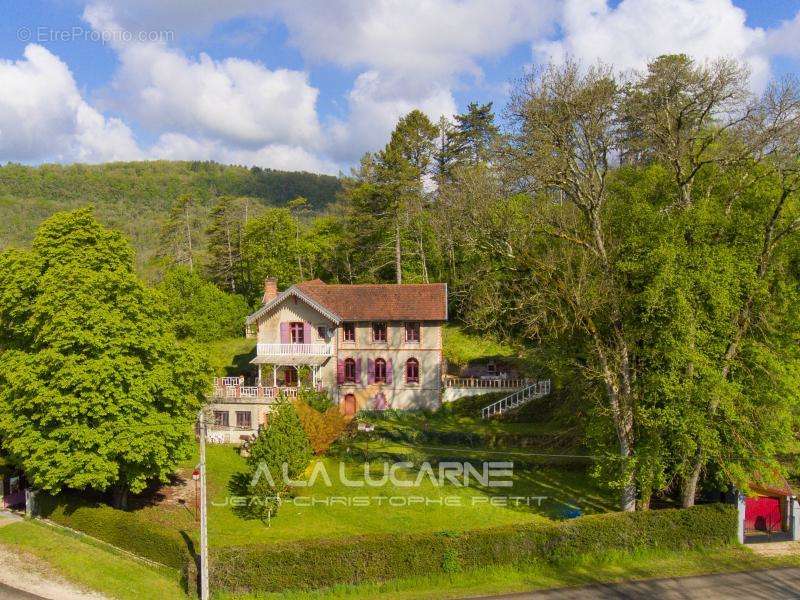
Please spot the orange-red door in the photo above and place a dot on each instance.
(349, 405)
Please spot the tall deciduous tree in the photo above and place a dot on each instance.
(95, 392)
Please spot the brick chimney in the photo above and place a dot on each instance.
(270, 289)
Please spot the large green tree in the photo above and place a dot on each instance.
(95, 391)
(200, 310)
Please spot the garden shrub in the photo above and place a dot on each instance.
(322, 427)
(323, 563)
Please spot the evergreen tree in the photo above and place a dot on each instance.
(177, 245)
(225, 235)
(476, 132)
(281, 448)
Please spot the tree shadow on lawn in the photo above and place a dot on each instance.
(240, 364)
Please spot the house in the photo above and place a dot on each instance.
(371, 346)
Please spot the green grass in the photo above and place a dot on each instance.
(460, 347)
(474, 504)
(90, 566)
(232, 356)
(477, 507)
(611, 567)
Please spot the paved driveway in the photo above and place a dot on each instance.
(770, 584)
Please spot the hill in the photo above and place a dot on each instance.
(136, 197)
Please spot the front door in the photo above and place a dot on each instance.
(349, 405)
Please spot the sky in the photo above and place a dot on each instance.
(313, 84)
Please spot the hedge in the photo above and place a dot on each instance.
(317, 564)
(117, 527)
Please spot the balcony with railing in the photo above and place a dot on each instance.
(292, 354)
(233, 389)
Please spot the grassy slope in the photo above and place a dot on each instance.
(611, 567)
(460, 347)
(91, 566)
(232, 356)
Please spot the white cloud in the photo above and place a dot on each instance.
(237, 101)
(375, 104)
(177, 146)
(413, 53)
(635, 31)
(784, 40)
(44, 117)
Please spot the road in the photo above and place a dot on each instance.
(770, 584)
(9, 593)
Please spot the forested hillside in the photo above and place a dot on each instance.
(136, 197)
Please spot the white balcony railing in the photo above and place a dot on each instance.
(486, 382)
(229, 389)
(270, 349)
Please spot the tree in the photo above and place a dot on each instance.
(386, 203)
(281, 448)
(199, 309)
(95, 392)
(476, 133)
(177, 244)
(270, 250)
(225, 236)
(722, 143)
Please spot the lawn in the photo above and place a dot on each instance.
(608, 568)
(231, 357)
(461, 347)
(336, 510)
(89, 565)
(538, 491)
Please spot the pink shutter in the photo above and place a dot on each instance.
(405, 372)
(389, 371)
(370, 371)
(306, 333)
(285, 337)
(340, 372)
(358, 371)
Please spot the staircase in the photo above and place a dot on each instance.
(517, 399)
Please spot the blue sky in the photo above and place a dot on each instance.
(314, 84)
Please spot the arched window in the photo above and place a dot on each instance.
(380, 370)
(412, 370)
(349, 370)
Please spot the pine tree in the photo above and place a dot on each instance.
(281, 447)
(224, 242)
(177, 245)
(476, 132)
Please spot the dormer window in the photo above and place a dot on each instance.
(379, 332)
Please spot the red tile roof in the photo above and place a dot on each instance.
(380, 302)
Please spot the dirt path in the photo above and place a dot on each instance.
(28, 573)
